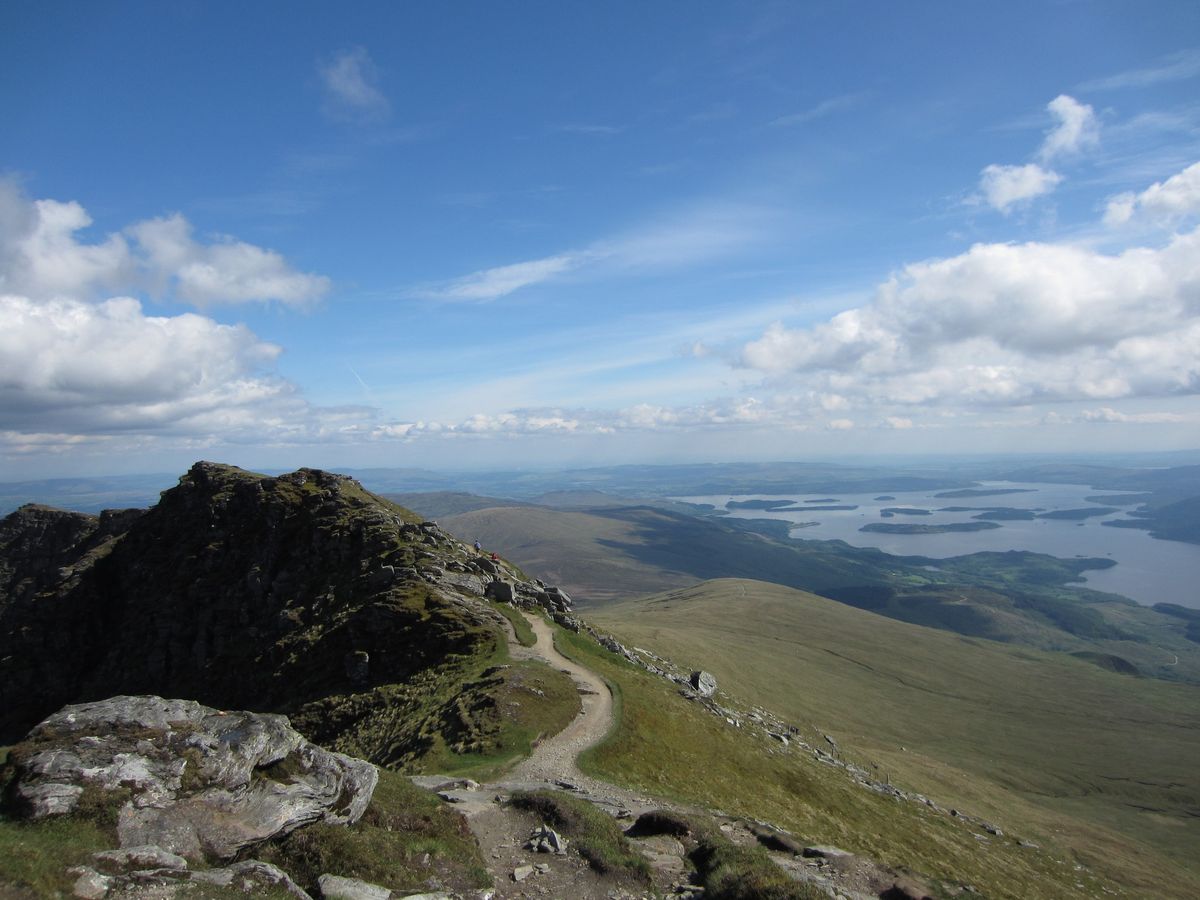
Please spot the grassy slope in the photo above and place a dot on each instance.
(1040, 743)
(672, 748)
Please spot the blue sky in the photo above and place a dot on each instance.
(484, 235)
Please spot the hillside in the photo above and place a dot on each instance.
(1040, 743)
(612, 553)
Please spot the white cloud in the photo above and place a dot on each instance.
(69, 366)
(1109, 415)
(1164, 202)
(1077, 129)
(350, 87)
(43, 257)
(79, 365)
(1006, 186)
(225, 272)
(40, 255)
(1008, 325)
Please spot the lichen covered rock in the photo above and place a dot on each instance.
(191, 780)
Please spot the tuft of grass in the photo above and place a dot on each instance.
(525, 635)
(406, 837)
(34, 856)
(593, 833)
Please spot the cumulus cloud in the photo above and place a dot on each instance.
(225, 272)
(351, 91)
(1164, 202)
(66, 365)
(1006, 186)
(40, 255)
(1008, 324)
(43, 256)
(1077, 129)
(80, 364)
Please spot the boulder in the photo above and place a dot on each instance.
(703, 683)
(501, 592)
(192, 781)
(335, 887)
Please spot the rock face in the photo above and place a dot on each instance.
(196, 782)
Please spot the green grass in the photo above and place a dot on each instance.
(497, 723)
(525, 635)
(388, 846)
(593, 833)
(1100, 766)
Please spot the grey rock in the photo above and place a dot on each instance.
(147, 856)
(91, 885)
(545, 839)
(501, 592)
(250, 875)
(204, 783)
(335, 887)
(704, 683)
(520, 873)
(48, 798)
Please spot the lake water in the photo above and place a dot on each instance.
(1148, 570)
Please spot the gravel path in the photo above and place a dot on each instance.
(554, 758)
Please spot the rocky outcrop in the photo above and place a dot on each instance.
(534, 595)
(191, 781)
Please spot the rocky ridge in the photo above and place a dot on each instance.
(303, 594)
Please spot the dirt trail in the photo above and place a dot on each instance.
(554, 758)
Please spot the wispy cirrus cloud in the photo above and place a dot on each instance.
(821, 110)
(350, 82)
(693, 237)
(1174, 67)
